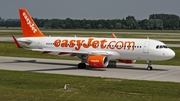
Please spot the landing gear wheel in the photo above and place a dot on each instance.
(149, 65)
(84, 65)
(149, 68)
(81, 65)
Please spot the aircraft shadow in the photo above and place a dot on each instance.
(130, 67)
(71, 66)
(137, 68)
(111, 65)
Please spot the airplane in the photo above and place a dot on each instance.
(97, 52)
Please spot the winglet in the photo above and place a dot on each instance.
(29, 28)
(113, 35)
(16, 42)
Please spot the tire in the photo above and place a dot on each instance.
(81, 65)
(84, 65)
(149, 68)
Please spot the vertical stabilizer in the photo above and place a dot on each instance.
(29, 28)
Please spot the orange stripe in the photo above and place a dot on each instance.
(46, 52)
(63, 53)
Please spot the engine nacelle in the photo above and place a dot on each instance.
(98, 61)
(127, 61)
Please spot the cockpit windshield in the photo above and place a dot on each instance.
(161, 46)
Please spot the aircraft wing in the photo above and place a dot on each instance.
(59, 50)
(105, 53)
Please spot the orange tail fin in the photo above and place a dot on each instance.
(29, 28)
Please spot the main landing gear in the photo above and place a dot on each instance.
(83, 58)
(82, 65)
(149, 65)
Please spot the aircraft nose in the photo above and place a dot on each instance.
(170, 54)
(173, 53)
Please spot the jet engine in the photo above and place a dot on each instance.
(98, 61)
(127, 61)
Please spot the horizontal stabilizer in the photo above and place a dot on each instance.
(16, 42)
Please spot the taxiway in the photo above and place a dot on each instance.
(114, 70)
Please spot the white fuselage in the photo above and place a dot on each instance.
(119, 48)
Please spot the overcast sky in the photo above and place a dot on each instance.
(89, 9)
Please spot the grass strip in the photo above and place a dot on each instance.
(29, 86)
(104, 35)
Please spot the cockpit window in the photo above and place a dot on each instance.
(165, 46)
(161, 46)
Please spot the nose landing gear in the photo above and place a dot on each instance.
(149, 65)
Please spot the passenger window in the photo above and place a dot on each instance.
(157, 46)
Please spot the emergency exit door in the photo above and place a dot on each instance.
(146, 47)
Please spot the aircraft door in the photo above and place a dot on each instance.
(146, 47)
(40, 43)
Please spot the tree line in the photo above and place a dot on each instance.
(155, 22)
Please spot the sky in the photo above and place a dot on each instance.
(89, 9)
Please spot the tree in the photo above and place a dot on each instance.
(111, 27)
(55, 24)
(99, 26)
(63, 26)
(47, 25)
(93, 24)
(76, 24)
(88, 26)
(101, 23)
(118, 25)
(68, 22)
(131, 22)
(170, 21)
(153, 24)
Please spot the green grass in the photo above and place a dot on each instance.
(171, 42)
(105, 35)
(96, 30)
(29, 86)
(9, 49)
(9, 34)
(10, 28)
